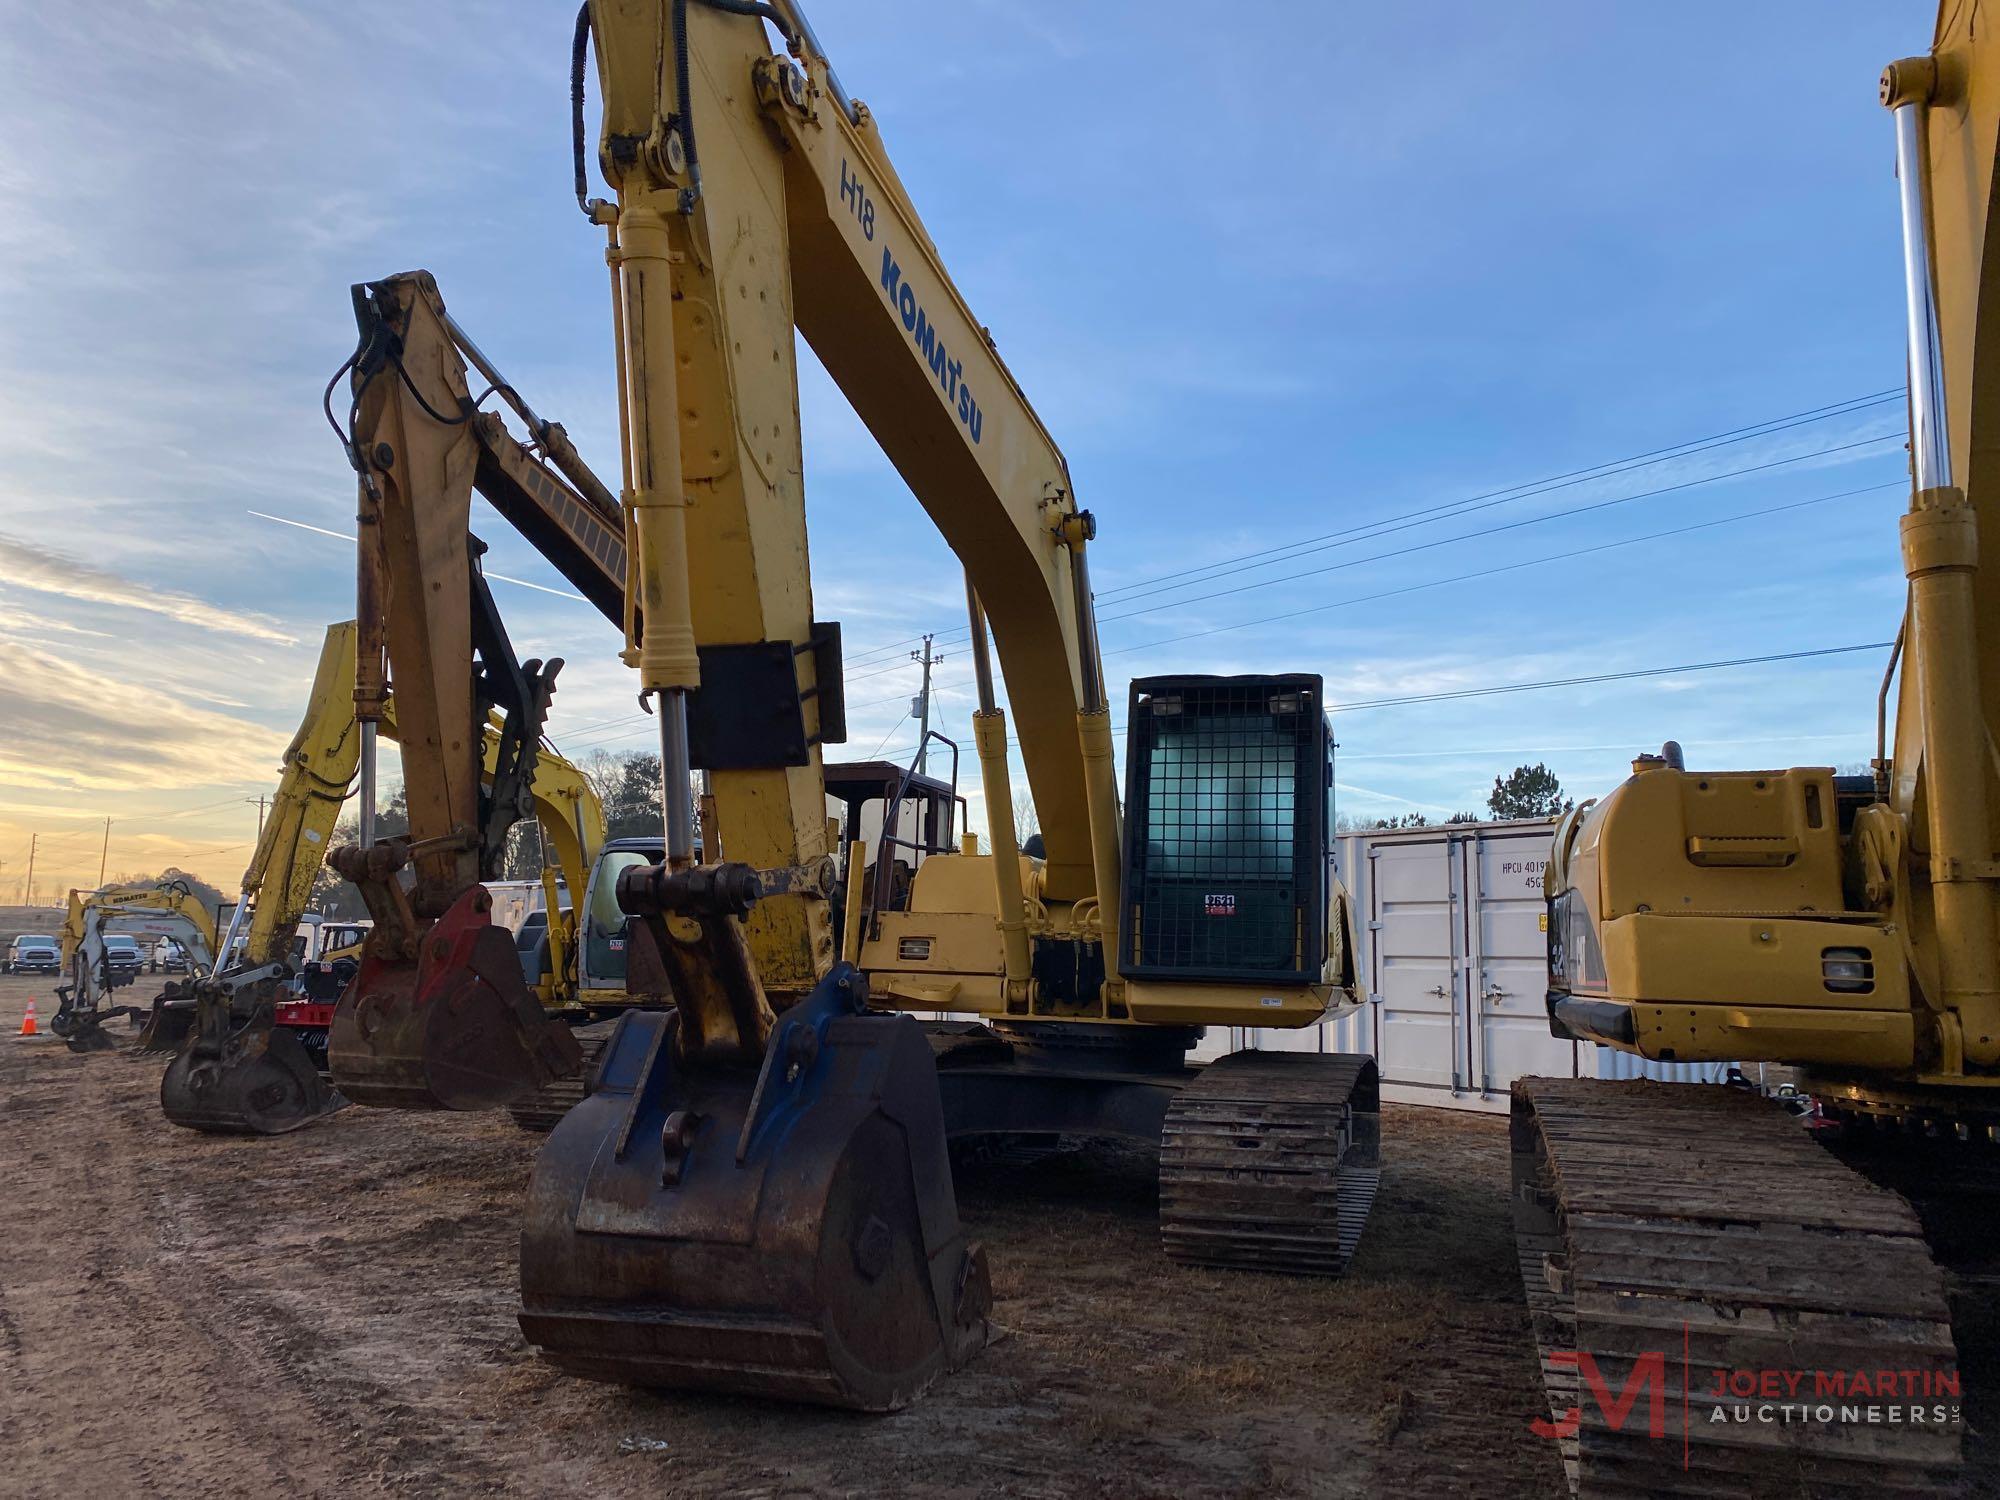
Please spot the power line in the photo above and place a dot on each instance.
(1504, 568)
(1446, 510)
(1467, 536)
(1532, 487)
(1532, 562)
(885, 738)
(1596, 677)
(1629, 674)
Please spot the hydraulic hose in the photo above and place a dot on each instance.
(579, 49)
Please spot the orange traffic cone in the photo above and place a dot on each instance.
(28, 1021)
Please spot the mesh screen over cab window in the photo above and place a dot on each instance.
(1226, 838)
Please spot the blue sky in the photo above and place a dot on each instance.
(1265, 282)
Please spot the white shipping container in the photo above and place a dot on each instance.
(1452, 962)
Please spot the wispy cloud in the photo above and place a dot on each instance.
(72, 729)
(46, 571)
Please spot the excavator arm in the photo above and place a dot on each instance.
(429, 631)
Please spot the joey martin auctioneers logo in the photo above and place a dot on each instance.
(1710, 1397)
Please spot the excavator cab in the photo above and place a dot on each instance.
(927, 814)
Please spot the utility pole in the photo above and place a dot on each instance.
(920, 706)
(261, 801)
(104, 854)
(28, 890)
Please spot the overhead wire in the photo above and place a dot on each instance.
(1526, 490)
(1467, 536)
(1513, 567)
(1364, 531)
(1629, 674)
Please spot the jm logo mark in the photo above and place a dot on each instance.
(1648, 1377)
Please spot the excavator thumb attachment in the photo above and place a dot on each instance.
(453, 1026)
(82, 1029)
(249, 1079)
(786, 1232)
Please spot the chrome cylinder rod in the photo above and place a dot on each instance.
(676, 783)
(236, 920)
(1930, 436)
(982, 658)
(367, 810)
(1086, 630)
(476, 357)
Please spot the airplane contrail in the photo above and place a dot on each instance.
(342, 536)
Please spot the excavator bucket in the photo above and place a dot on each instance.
(252, 1079)
(789, 1231)
(167, 1023)
(454, 1026)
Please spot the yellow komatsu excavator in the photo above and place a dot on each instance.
(756, 1194)
(1848, 926)
(151, 908)
(248, 1059)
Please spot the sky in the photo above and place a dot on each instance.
(1351, 328)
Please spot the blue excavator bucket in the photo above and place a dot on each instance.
(783, 1229)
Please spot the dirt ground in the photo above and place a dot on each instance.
(332, 1313)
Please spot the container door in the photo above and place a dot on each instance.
(1415, 928)
(1508, 975)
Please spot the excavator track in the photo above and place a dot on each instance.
(543, 1110)
(1694, 1235)
(1269, 1162)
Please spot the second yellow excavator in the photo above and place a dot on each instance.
(249, 1055)
(1845, 926)
(756, 1195)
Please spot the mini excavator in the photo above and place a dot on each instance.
(159, 908)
